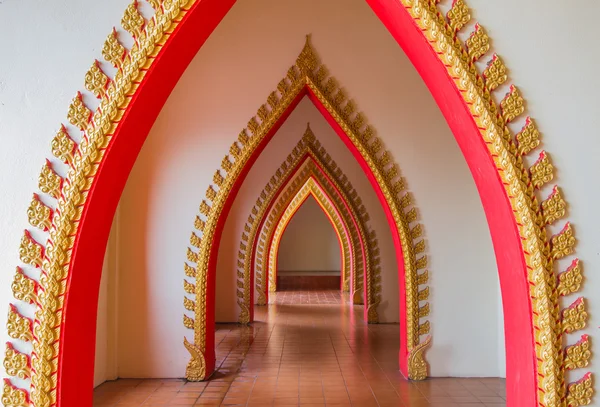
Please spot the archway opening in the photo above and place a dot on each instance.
(535, 369)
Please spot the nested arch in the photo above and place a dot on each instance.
(65, 295)
(308, 159)
(310, 188)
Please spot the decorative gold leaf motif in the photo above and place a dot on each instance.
(416, 231)
(513, 105)
(458, 15)
(478, 43)
(421, 262)
(411, 216)
(96, 80)
(38, 214)
(196, 367)
(542, 171)
(18, 326)
(575, 317)
(79, 115)
(581, 392)
(423, 277)
(16, 364)
(49, 181)
(563, 244)
(192, 256)
(569, 281)
(63, 146)
(528, 138)
(423, 294)
(495, 73)
(424, 310)
(418, 369)
(113, 51)
(188, 322)
(204, 208)
(31, 252)
(132, 20)
(554, 207)
(189, 287)
(199, 224)
(420, 246)
(195, 240)
(211, 193)
(14, 397)
(189, 270)
(24, 288)
(424, 328)
(218, 179)
(578, 356)
(189, 304)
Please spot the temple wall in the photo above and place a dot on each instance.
(548, 46)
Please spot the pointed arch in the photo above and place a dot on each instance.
(310, 188)
(309, 77)
(65, 295)
(307, 159)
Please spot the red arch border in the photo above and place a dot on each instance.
(76, 359)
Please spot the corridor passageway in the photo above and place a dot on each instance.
(307, 348)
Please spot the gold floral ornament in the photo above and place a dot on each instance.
(478, 43)
(416, 361)
(16, 364)
(24, 288)
(49, 181)
(14, 397)
(63, 146)
(581, 392)
(554, 207)
(513, 105)
(79, 115)
(574, 318)
(569, 281)
(113, 51)
(528, 138)
(132, 20)
(578, 355)
(563, 244)
(542, 171)
(39, 215)
(96, 81)
(458, 15)
(495, 73)
(19, 327)
(31, 252)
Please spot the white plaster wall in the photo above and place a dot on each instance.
(309, 242)
(549, 46)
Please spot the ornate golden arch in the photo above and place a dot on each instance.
(252, 248)
(310, 188)
(309, 72)
(477, 90)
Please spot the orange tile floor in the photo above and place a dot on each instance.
(305, 349)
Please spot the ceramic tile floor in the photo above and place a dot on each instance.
(320, 354)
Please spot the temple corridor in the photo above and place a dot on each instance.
(307, 348)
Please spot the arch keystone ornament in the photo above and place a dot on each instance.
(68, 265)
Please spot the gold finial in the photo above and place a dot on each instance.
(307, 60)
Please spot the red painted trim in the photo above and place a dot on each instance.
(518, 325)
(76, 358)
(78, 334)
